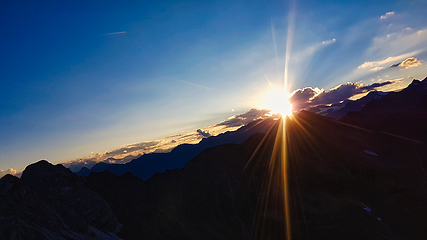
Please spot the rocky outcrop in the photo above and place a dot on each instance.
(51, 202)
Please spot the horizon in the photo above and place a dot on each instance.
(85, 79)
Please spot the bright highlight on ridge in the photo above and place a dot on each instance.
(277, 101)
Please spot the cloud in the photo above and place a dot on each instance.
(385, 61)
(329, 41)
(343, 92)
(400, 41)
(204, 134)
(387, 15)
(309, 97)
(311, 50)
(129, 152)
(8, 171)
(243, 119)
(301, 96)
(193, 84)
(373, 86)
(114, 33)
(131, 148)
(410, 62)
(376, 69)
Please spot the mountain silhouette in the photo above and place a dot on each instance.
(146, 165)
(355, 105)
(344, 183)
(303, 177)
(402, 113)
(51, 202)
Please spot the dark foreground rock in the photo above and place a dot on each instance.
(51, 202)
(343, 182)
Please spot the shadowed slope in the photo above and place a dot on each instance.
(401, 113)
(344, 182)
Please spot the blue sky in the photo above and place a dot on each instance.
(79, 77)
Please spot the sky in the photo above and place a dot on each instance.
(83, 77)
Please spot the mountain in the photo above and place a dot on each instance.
(402, 113)
(51, 202)
(76, 166)
(355, 105)
(309, 177)
(146, 165)
(344, 182)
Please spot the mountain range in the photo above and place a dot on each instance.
(363, 177)
(148, 164)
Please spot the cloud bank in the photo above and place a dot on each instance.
(310, 97)
(375, 64)
(129, 152)
(243, 119)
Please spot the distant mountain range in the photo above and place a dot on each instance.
(148, 164)
(402, 113)
(354, 106)
(363, 177)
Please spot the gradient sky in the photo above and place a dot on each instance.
(90, 76)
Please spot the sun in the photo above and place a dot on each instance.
(277, 101)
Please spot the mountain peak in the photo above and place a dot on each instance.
(45, 171)
(415, 82)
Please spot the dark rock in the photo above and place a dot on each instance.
(51, 202)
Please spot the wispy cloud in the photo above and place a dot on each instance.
(400, 41)
(309, 51)
(375, 69)
(387, 15)
(386, 61)
(193, 84)
(114, 33)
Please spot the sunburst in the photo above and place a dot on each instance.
(277, 101)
